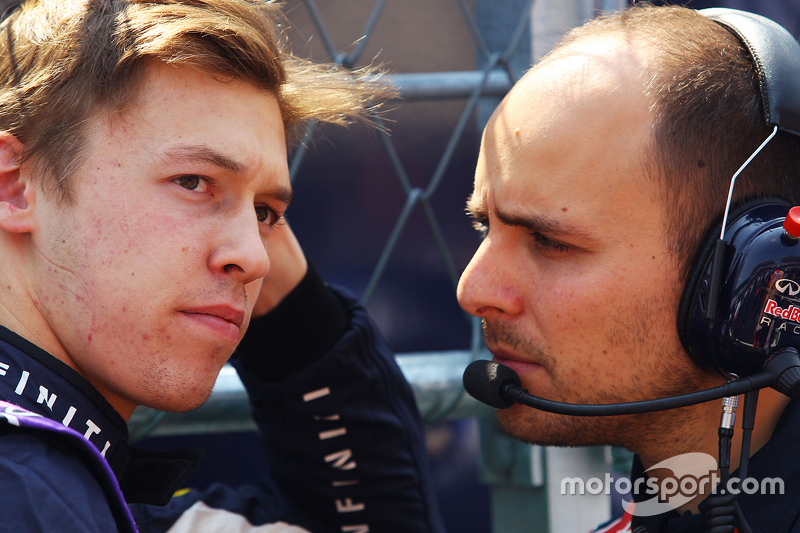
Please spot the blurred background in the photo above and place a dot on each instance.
(383, 215)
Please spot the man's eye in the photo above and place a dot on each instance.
(548, 244)
(266, 215)
(191, 182)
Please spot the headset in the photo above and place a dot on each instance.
(737, 307)
(739, 313)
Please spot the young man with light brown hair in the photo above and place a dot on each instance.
(142, 169)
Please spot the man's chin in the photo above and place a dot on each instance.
(546, 429)
(188, 401)
(523, 424)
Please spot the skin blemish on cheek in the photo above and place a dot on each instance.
(564, 209)
(145, 335)
(516, 131)
(89, 337)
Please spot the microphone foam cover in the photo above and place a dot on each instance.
(484, 381)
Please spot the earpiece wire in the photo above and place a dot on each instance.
(736, 175)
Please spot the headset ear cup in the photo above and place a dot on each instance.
(693, 294)
(694, 299)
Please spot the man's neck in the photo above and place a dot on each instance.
(699, 434)
(20, 311)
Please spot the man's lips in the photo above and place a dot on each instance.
(225, 320)
(518, 364)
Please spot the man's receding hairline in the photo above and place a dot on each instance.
(644, 77)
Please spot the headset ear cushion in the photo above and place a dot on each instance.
(690, 297)
(700, 265)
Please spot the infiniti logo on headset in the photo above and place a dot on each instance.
(784, 285)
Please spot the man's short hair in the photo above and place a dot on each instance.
(708, 119)
(61, 61)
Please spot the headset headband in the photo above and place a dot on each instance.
(776, 55)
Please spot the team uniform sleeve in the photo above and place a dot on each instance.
(338, 420)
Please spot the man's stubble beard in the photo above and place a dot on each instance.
(667, 372)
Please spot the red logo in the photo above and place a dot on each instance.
(790, 313)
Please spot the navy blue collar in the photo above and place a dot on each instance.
(35, 380)
(38, 382)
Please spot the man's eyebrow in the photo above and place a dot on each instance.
(282, 194)
(543, 224)
(203, 154)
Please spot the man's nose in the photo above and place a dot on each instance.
(241, 251)
(488, 286)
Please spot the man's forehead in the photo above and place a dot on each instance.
(162, 83)
(581, 75)
(186, 125)
(572, 136)
(588, 95)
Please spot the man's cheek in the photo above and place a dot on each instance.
(570, 306)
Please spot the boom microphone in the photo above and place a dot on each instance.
(500, 387)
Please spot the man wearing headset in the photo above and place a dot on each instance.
(142, 168)
(598, 177)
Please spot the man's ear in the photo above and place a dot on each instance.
(16, 190)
